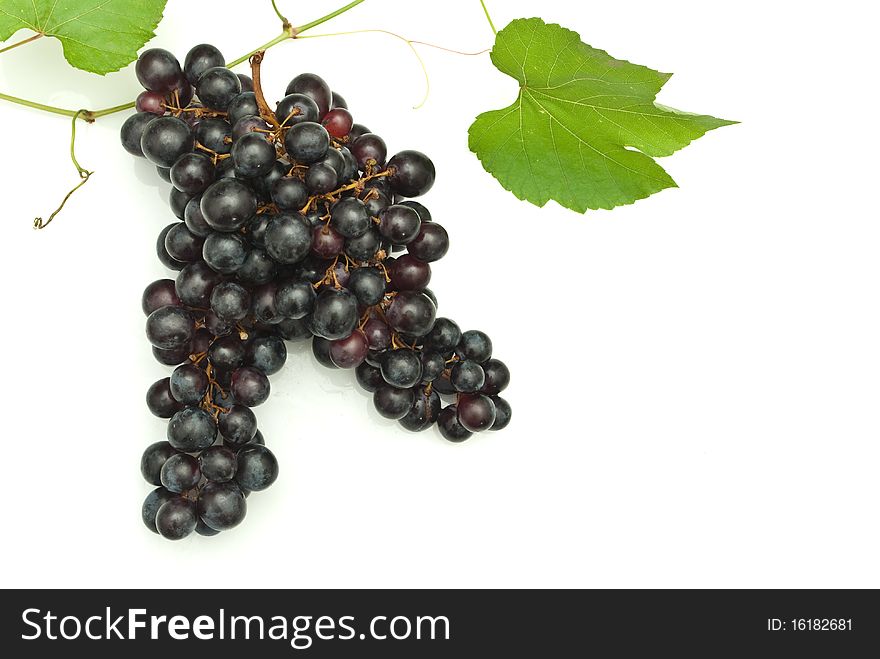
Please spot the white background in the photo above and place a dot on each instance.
(695, 377)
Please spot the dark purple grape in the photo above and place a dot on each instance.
(497, 377)
(294, 109)
(409, 274)
(189, 384)
(288, 238)
(399, 224)
(253, 155)
(474, 345)
(431, 244)
(315, 88)
(180, 473)
(160, 293)
(176, 518)
(160, 401)
(369, 150)
(152, 102)
(165, 139)
(199, 59)
(157, 70)
(369, 377)
(243, 105)
(195, 283)
(217, 87)
(152, 460)
(335, 314)
(192, 173)
(230, 301)
(218, 464)
(289, 193)
(476, 412)
(350, 351)
(307, 142)
(467, 376)
(401, 368)
(321, 178)
(132, 130)
(411, 312)
(338, 122)
(225, 252)
(222, 506)
(228, 204)
(257, 468)
(450, 427)
(250, 386)
(391, 402)
(170, 327)
(238, 425)
(502, 413)
(215, 134)
(412, 173)
(350, 218)
(192, 429)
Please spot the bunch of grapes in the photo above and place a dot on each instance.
(293, 225)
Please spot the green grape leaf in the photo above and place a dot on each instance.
(97, 35)
(585, 128)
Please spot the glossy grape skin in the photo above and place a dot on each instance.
(289, 193)
(295, 329)
(160, 401)
(350, 351)
(391, 402)
(237, 426)
(378, 334)
(356, 131)
(132, 130)
(194, 220)
(246, 126)
(450, 427)
(442, 385)
(315, 88)
(192, 429)
(321, 351)
(152, 460)
(181, 96)
(258, 268)
(157, 70)
(497, 377)
(502, 413)
(178, 202)
(424, 213)
(474, 345)
(349, 170)
(369, 150)
(413, 173)
(401, 368)
(230, 301)
(411, 312)
(423, 413)
(217, 87)
(337, 101)
(295, 109)
(151, 505)
(228, 204)
(250, 386)
(267, 353)
(222, 506)
(409, 274)
(476, 412)
(335, 314)
(213, 133)
(194, 285)
(321, 178)
(431, 244)
(295, 298)
(176, 518)
(288, 238)
(243, 105)
(307, 142)
(172, 356)
(165, 139)
(399, 224)
(369, 377)
(192, 173)
(159, 293)
(247, 83)
(263, 303)
(368, 286)
(364, 248)
(467, 376)
(182, 245)
(327, 242)
(189, 384)
(253, 155)
(170, 327)
(444, 336)
(349, 217)
(180, 473)
(217, 464)
(152, 102)
(216, 325)
(338, 122)
(227, 353)
(224, 253)
(257, 468)
(199, 59)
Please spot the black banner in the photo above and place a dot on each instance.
(445, 623)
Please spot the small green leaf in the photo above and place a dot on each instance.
(97, 35)
(585, 128)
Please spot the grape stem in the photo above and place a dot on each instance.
(22, 42)
(84, 174)
(488, 18)
(284, 22)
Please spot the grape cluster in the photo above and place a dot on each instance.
(293, 225)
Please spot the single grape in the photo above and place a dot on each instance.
(243, 105)
(258, 268)
(338, 122)
(365, 247)
(337, 101)
(253, 155)
(194, 220)
(444, 336)
(450, 427)
(160, 401)
(370, 151)
(194, 285)
(294, 109)
(189, 384)
(321, 351)
(176, 518)
(288, 238)
(250, 386)
(368, 286)
(158, 294)
(315, 88)
(502, 413)
(391, 402)
(474, 345)
(289, 194)
(227, 353)
(356, 131)
(267, 353)
(378, 334)
(173, 356)
(192, 173)
(183, 245)
(224, 252)
(151, 505)
(423, 413)
(335, 314)
(230, 301)
(215, 134)
(307, 142)
(467, 376)
(295, 329)
(411, 312)
(192, 429)
(401, 368)
(248, 125)
(154, 457)
(204, 530)
(431, 244)
(350, 351)
(409, 274)
(399, 224)
(424, 213)
(217, 464)
(152, 102)
(412, 173)
(497, 377)
(132, 130)
(476, 412)
(178, 201)
(263, 306)
(180, 473)
(199, 59)
(228, 204)
(321, 178)
(349, 217)
(157, 70)
(433, 365)
(238, 425)
(247, 83)
(165, 139)
(170, 327)
(222, 506)
(295, 298)
(257, 468)
(369, 377)
(217, 86)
